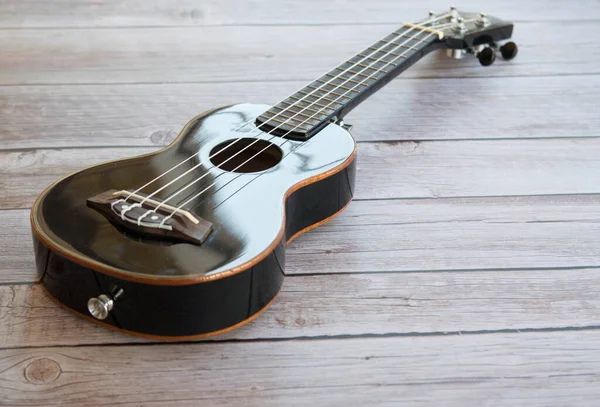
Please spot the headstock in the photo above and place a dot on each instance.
(475, 33)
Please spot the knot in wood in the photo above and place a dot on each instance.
(42, 371)
(163, 137)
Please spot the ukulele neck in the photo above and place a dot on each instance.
(333, 95)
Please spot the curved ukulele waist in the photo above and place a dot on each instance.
(190, 311)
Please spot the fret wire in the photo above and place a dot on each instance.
(375, 59)
(398, 45)
(377, 69)
(300, 110)
(339, 82)
(338, 86)
(303, 107)
(300, 125)
(374, 65)
(347, 80)
(418, 40)
(319, 98)
(325, 90)
(366, 66)
(279, 120)
(357, 73)
(389, 53)
(313, 103)
(295, 113)
(330, 91)
(440, 35)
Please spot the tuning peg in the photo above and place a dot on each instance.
(483, 20)
(460, 26)
(486, 56)
(453, 14)
(509, 50)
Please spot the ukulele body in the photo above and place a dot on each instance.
(178, 290)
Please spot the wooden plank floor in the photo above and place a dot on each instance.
(466, 272)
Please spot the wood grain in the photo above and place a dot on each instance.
(110, 13)
(400, 300)
(206, 54)
(408, 109)
(339, 305)
(459, 234)
(412, 169)
(506, 369)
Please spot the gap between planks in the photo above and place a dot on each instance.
(449, 234)
(355, 305)
(470, 370)
(413, 169)
(142, 56)
(111, 13)
(407, 110)
(287, 80)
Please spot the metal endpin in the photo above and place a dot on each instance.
(100, 306)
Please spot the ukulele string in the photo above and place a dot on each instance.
(329, 82)
(335, 88)
(414, 37)
(300, 145)
(258, 175)
(289, 152)
(248, 160)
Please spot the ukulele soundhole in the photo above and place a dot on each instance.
(246, 155)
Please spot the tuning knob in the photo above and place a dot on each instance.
(486, 56)
(509, 50)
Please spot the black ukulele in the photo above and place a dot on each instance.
(189, 241)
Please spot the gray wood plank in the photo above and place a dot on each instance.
(39, 13)
(365, 304)
(459, 234)
(533, 369)
(410, 270)
(249, 53)
(477, 168)
(410, 109)
(385, 170)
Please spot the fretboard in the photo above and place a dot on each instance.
(334, 94)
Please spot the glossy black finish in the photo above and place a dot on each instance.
(188, 290)
(246, 210)
(340, 90)
(509, 50)
(175, 290)
(164, 311)
(487, 56)
(320, 200)
(475, 35)
(333, 95)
